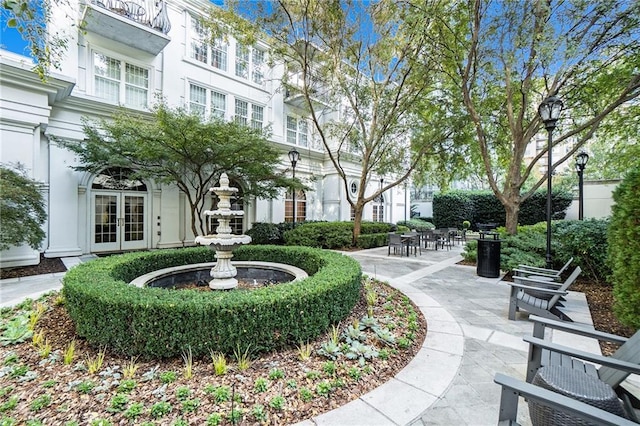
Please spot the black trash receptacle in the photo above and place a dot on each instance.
(489, 255)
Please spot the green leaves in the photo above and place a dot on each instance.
(173, 146)
(22, 209)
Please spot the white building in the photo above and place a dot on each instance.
(127, 52)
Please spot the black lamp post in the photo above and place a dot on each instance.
(549, 111)
(294, 156)
(581, 162)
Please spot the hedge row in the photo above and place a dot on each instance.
(450, 209)
(624, 250)
(338, 235)
(159, 323)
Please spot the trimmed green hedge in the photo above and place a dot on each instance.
(159, 323)
(450, 209)
(337, 235)
(624, 250)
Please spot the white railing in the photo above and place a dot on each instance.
(150, 13)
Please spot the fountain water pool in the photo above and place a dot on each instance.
(251, 271)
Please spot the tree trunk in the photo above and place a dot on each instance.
(512, 209)
(357, 222)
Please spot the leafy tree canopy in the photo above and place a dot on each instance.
(500, 60)
(22, 209)
(361, 69)
(173, 146)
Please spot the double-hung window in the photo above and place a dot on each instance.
(249, 63)
(249, 114)
(198, 36)
(120, 82)
(297, 131)
(242, 61)
(206, 102)
(257, 61)
(201, 50)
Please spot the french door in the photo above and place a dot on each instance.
(118, 221)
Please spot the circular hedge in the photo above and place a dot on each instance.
(158, 323)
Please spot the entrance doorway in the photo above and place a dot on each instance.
(119, 212)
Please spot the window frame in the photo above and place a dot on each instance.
(249, 62)
(301, 138)
(215, 55)
(301, 206)
(122, 80)
(252, 111)
(208, 105)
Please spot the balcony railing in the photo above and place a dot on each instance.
(142, 24)
(150, 13)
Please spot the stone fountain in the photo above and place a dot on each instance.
(223, 242)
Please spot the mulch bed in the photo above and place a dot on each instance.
(46, 266)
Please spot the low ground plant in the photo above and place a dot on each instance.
(130, 390)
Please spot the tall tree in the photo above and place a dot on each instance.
(173, 146)
(499, 60)
(360, 70)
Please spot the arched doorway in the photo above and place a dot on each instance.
(118, 211)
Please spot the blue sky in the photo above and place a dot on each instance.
(10, 38)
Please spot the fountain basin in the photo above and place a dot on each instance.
(259, 271)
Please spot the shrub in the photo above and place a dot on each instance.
(418, 225)
(624, 250)
(155, 322)
(585, 241)
(338, 235)
(329, 235)
(265, 233)
(452, 208)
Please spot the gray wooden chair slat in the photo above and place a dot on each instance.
(512, 389)
(629, 351)
(613, 370)
(520, 299)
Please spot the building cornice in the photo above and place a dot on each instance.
(18, 71)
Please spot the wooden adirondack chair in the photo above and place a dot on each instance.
(613, 370)
(513, 388)
(537, 298)
(528, 271)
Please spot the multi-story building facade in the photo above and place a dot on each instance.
(124, 54)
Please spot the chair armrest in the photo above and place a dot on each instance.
(535, 268)
(512, 388)
(578, 329)
(615, 363)
(533, 281)
(538, 289)
(530, 272)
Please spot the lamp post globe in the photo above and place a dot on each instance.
(581, 163)
(549, 111)
(294, 157)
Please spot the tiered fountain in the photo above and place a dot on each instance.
(223, 242)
